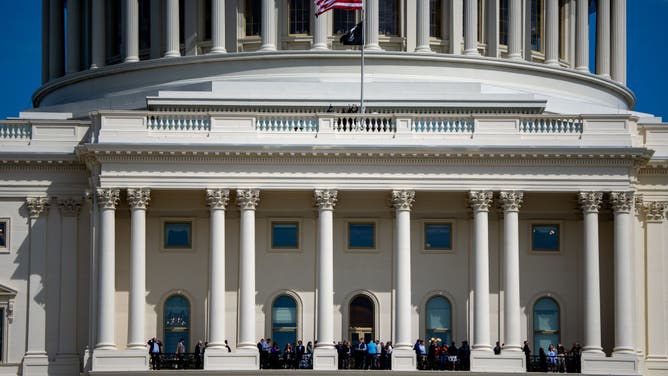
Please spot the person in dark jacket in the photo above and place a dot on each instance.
(154, 349)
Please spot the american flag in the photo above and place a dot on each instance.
(323, 6)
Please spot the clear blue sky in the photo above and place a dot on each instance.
(20, 65)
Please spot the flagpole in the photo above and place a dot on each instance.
(364, 24)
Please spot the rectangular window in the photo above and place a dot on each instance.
(344, 20)
(300, 16)
(435, 14)
(361, 235)
(285, 235)
(545, 237)
(504, 21)
(388, 17)
(253, 17)
(537, 25)
(438, 236)
(178, 235)
(4, 234)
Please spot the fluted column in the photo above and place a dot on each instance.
(371, 28)
(618, 67)
(56, 39)
(67, 338)
(654, 214)
(422, 26)
(320, 33)
(511, 202)
(38, 207)
(552, 32)
(218, 26)
(590, 203)
(45, 40)
(217, 200)
(73, 36)
(138, 198)
(247, 199)
(471, 27)
(582, 36)
(172, 29)
(98, 38)
(622, 204)
(107, 199)
(515, 29)
(480, 201)
(130, 31)
(603, 38)
(325, 357)
(268, 25)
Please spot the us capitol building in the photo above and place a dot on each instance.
(193, 169)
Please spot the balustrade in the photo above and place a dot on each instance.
(176, 121)
(551, 125)
(15, 131)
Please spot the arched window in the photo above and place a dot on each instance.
(176, 322)
(361, 319)
(284, 321)
(545, 324)
(438, 319)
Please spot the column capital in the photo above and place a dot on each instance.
(654, 211)
(590, 201)
(37, 206)
(138, 198)
(325, 199)
(69, 206)
(511, 201)
(403, 199)
(480, 200)
(217, 198)
(622, 202)
(107, 198)
(248, 198)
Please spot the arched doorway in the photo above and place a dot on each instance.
(438, 319)
(546, 329)
(361, 323)
(176, 322)
(284, 321)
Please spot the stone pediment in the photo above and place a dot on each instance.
(7, 292)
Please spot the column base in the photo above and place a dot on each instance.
(35, 364)
(325, 358)
(65, 364)
(404, 360)
(120, 360)
(507, 361)
(240, 360)
(618, 364)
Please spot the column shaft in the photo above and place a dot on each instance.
(471, 27)
(218, 26)
(456, 26)
(515, 29)
(603, 38)
(130, 31)
(590, 202)
(402, 278)
(45, 40)
(371, 28)
(582, 36)
(98, 42)
(511, 261)
(268, 25)
(172, 29)
(320, 33)
(618, 67)
(73, 36)
(247, 200)
(217, 200)
(552, 33)
(480, 201)
(36, 338)
(491, 32)
(622, 203)
(67, 341)
(138, 199)
(656, 287)
(422, 42)
(56, 39)
(325, 332)
(107, 200)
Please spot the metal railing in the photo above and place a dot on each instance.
(170, 361)
(561, 363)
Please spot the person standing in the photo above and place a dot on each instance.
(154, 349)
(180, 352)
(527, 354)
(360, 353)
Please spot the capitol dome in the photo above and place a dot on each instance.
(210, 174)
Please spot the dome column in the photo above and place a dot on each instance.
(172, 29)
(131, 31)
(471, 27)
(371, 28)
(268, 25)
(218, 26)
(56, 39)
(582, 36)
(618, 67)
(98, 35)
(603, 38)
(403, 357)
(456, 26)
(73, 36)
(515, 29)
(552, 33)
(422, 26)
(320, 33)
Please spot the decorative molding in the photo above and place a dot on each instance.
(654, 211)
(138, 198)
(325, 199)
(107, 198)
(590, 201)
(69, 206)
(37, 206)
(622, 202)
(511, 201)
(247, 199)
(217, 198)
(403, 199)
(480, 200)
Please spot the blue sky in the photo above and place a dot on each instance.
(20, 65)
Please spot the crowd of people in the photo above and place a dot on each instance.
(556, 359)
(179, 359)
(438, 355)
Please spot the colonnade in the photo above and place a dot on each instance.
(401, 200)
(610, 32)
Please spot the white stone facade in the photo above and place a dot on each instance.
(490, 138)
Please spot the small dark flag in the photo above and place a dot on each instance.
(354, 36)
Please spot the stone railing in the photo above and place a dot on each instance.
(551, 125)
(442, 124)
(178, 121)
(363, 123)
(15, 130)
(297, 123)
